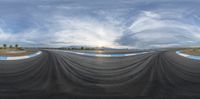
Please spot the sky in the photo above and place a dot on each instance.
(100, 23)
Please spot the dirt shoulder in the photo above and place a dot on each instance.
(194, 52)
(14, 52)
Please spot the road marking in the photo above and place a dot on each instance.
(20, 57)
(188, 56)
(105, 55)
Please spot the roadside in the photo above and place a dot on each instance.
(192, 51)
(102, 54)
(16, 53)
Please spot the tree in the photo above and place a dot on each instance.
(10, 46)
(4, 45)
(82, 48)
(16, 45)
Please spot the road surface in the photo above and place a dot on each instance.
(61, 75)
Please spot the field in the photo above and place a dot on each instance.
(193, 51)
(15, 52)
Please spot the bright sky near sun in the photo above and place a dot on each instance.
(108, 23)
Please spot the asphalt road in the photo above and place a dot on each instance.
(59, 75)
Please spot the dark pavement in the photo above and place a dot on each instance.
(60, 75)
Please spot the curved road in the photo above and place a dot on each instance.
(60, 75)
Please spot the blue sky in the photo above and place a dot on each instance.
(109, 23)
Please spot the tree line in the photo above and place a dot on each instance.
(78, 48)
(10, 46)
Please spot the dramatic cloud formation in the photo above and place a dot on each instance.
(109, 23)
(86, 31)
(155, 30)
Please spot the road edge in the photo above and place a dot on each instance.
(104, 55)
(187, 55)
(20, 57)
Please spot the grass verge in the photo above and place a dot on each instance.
(193, 51)
(15, 52)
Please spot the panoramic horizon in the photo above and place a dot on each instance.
(105, 23)
(99, 49)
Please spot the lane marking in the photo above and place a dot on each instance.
(20, 57)
(188, 56)
(105, 55)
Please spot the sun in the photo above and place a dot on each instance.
(100, 44)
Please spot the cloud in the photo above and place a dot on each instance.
(4, 36)
(151, 29)
(87, 31)
(109, 23)
(62, 31)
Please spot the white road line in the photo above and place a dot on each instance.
(20, 57)
(188, 56)
(105, 55)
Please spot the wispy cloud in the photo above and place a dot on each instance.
(111, 23)
(151, 29)
(85, 31)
